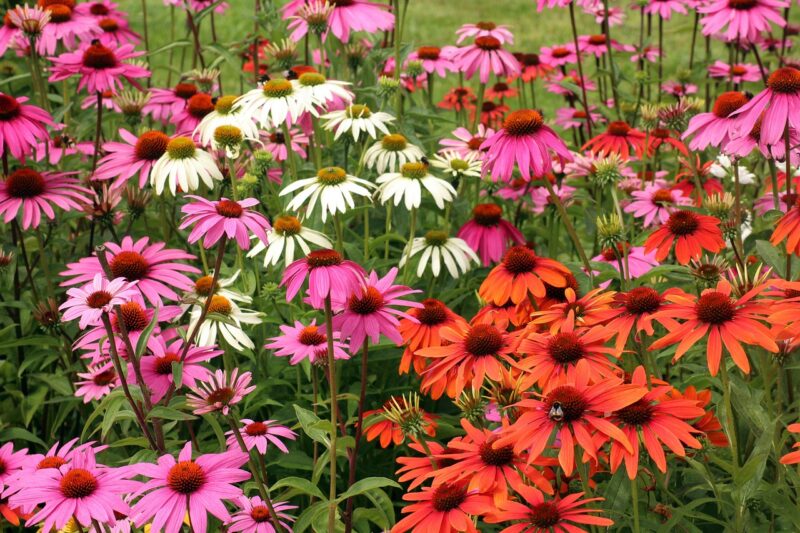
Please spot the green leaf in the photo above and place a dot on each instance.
(177, 374)
(383, 505)
(771, 256)
(299, 484)
(20, 434)
(363, 485)
(32, 402)
(309, 515)
(168, 413)
(308, 420)
(141, 344)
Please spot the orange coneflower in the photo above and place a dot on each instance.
(708, 424)
(519, 274)
(788, 226)
(726, 320)
(659, 419)
(417, 468)
(587, 310)
(444, 508)
(663, 136)
(549, 355)
(691, 232)
(388, 430)
(636, 308)
(473, 353)
(575, 410)
(618, 138)
(488, 470)
(792, 457)
(534, 514)
(433, 316)
(503, 316)
(558, 295)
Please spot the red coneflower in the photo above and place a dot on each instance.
(534, 514)
(726, 320)
(574, 410)
(709, 425)
(387, 430)
(501, 316)
(691, 232)
(788, 229)
(432, 317)
(659, 419)
(417, 468)
(587, 310)
(792, 457)
(636, 308)
(442, 509)
(617, 139)
(520, 274)
(472, 354)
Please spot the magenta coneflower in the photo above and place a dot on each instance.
(275, 143)
(212, 219)
(638, 262)
(596, 44)
(116, 32)
(60, 145)
(368, 311)
(717, 127)
(123, 160)
(485, 29)
(571, 118)
(188, 118)
(99, 9)
(526, 141)
(154, 267)
(488, 234)
(260, 435)
(12, 462)
(466, 143)
(80, 489)
(156, 366)
(99, 66)
(305, 342)
(22, 126)
(66, 27)
(347, 16)
(435, 59)
(558, 55)
(165, 103)
(97, 382)
(32, 193)
(655, 203)
(96, 298)
(253, 516)
(738, 73)
(777, 106)
(665, 8)
(9, 32)
(745, 19)
(486, 56)
(219, 392)
(329, 276)
(554, 83)
(197, 487)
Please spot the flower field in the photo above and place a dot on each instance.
(400, 266)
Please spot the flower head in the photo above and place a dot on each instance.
(211, 220)
(31, 192)
(100, 66)
(329, 276)
(219, 392)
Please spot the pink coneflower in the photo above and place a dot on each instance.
(571, 118)
(196, 487)
(486, 56)
(259, 435)
(541, 198)
(106, 100)
(526, 142)
(165, 103)
(156, 367)
(9, 32)
(558, 55)
(275, 143)
(485, 29)
(253, 516)
(638, 262)
(12, 462)
(212, 219)
(745, 19)
(61, 145)
(66, 27)
(466, 143)
(368, 311)
(97, 382)
(488, 234)
(347, 16)
(218, 392)
(135, 155)
(117, 32)
(744, 144)
(554, 83)
(596, 44)
(329, 275)
(305, 342)
(94, 299)
(655, 203)
(737, 73)
(33, 192)
(676, 88)
(99, 9)
(616, 15)
(717, 127)
(767, 203)
(80, 489)
(154, 267)
(22, 126)
(434, 59)
(647, 53)
(665, 8)
(777, 106)
(99, 66)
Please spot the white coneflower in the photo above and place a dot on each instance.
(458, 165)
(286, 235)
(273, 103)
(314, 88)
(226, 113)
(438, 248)
(185, 165)
(229, 325)
(355, 119)
(391, 152)
(332, 187)
(407, 185)
(202, 288)
(723, 168)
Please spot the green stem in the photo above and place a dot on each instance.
(412, 229)
(334, 415)
(289, 153)
(569, 227)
